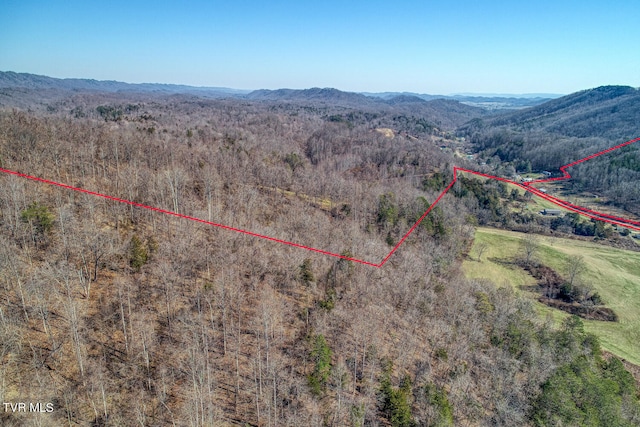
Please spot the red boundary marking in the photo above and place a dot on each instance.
(635, 225)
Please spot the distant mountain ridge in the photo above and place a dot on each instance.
(312, 94)
(487, 101)
(605, 111)
(29, 91)
(10, 79)
(25, 90)
(510, 95)
(13, 80)
(444, 113)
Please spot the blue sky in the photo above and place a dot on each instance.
(441, 47)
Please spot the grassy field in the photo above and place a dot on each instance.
(614, 273)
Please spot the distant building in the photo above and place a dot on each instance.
(552, 212)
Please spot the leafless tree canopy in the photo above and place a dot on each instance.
(122, 316)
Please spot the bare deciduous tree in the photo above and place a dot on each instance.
(529, 247)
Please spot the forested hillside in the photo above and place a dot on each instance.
(26, 81)
(122, 316)
(566, 129)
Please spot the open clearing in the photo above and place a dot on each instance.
(614, 273)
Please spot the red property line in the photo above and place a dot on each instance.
(635, 225)
(164, 211)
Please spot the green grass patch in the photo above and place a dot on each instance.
(613, 273)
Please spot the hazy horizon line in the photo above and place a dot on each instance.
(364, 92)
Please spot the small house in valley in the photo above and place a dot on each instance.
(552, 212)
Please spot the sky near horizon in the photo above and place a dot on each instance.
(428, 46)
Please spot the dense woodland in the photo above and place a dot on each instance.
(122, 316)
